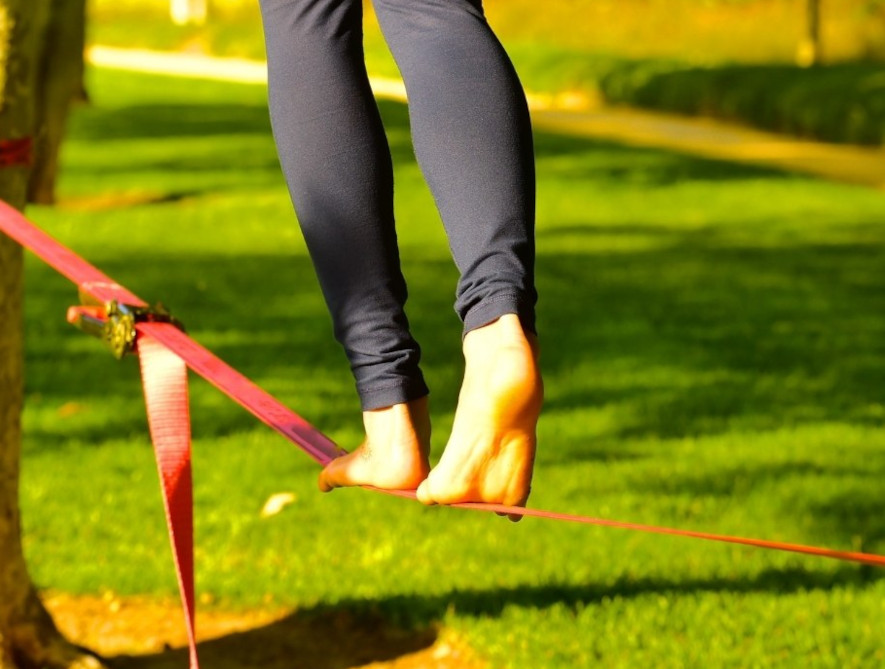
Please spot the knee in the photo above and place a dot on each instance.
(312, 18)
(426, 13)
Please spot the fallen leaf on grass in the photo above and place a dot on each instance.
(276, 503)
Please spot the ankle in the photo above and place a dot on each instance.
(502, 375)
(399, 426)
(505, 334)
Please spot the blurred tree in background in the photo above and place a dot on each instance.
(810, 48)
(59, 83)
(29, 37)
(702, 31)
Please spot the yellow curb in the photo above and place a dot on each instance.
(721, 141)
(193, 65)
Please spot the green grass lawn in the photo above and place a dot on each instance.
(714, 350)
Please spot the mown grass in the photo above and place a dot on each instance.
(714, 352)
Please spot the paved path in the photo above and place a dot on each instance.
(708, 138)
(722, 141)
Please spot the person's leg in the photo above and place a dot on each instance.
(473, 140)
(337, 164)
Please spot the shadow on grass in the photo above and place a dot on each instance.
(857, 514)
(148, 121)
(742, 337)
(599, 161)
(170, 121)
(242, 135)
(782, 333)
(715, 337)
(354, 632)
(329, 639)
(737, 478)
(491, 603)
(145, 150)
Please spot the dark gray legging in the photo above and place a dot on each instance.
(473, 140)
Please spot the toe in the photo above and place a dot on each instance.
(441, 487)
(521, 502)
(326, 480)
(336, 474)
(423, 493)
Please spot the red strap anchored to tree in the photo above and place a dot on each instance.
(165, 350)
(16, 152)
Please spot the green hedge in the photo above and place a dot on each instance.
(836, 103)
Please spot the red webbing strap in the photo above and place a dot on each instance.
(846, 556)
(164, 376)
(258, 402)
(99, 286)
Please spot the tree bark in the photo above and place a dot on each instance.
(28, 636)
(60, 83)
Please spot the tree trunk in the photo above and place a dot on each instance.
(811, 48)
(60, 83)
(28, 637)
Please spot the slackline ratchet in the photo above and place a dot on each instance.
(127, 324)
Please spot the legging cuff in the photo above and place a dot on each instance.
(494, 307)
(399, 393)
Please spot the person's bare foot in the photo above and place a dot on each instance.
(491, 451)
(394, 455)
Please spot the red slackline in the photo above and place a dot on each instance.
(165, 352)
